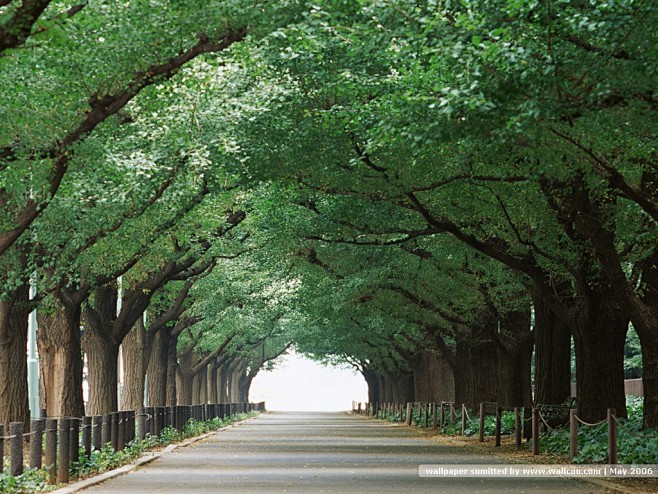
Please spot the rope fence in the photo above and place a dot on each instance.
(66, 437)
(528, 422)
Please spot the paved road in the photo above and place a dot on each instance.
(317, 452)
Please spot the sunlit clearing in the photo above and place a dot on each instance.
(300, 384)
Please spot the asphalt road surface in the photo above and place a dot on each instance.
(282, 452)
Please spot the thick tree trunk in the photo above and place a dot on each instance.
(552, 356)
(172, 365)
(157, 370)
(60, 360)
(514, 344)
(371, 380)
(222, 376)
(475, 373)
(103, 367)
(599, 329)
(135, 356)
(211, 383)
(433, 377)
(185, 379)
(14, 313)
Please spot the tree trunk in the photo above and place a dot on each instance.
(433, 377)
(371, 379)
(60, 360)
(475, 373)
(552, 356)
(157, 370)
(211, 383)
(599, 330)
(172, 365)
(222, 377)
(14, 313)
(103, 367)
(185, 379)
(514, 342)
(135, 357)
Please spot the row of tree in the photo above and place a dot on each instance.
(439, 193)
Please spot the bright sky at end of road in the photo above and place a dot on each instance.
(299, 384)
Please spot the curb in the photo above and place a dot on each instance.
(145, 459)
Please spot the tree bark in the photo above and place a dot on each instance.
(185, 379)
(514, 342)
(599, 329)
(172, 365)
(371, 380)
(14, 313)
(135, 352)
(157, 370)
(475, 373)
(103, 368)
(552, 356)
(60, 359)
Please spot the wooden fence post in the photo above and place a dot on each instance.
(481, 422)
(463, 419)
(141, 423)
(612, 437)
(51, 450)
(64, 451)
(442, 419)
(535, 431)
(37, 427)
(518, 432)
(106, 431)
(499, 424)
(74, 439)
(97, 432)
(16, 448)
(114, 430)
(86, 435)
(2, 445)
(573, 434)
(409, 413)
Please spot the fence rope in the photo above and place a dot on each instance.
(545, 423)
(588, 424)
(632, 433)
(468, 418)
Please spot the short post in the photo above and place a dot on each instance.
(499, 425)
(535, 431)
(419, 411)
(106, 432)
(51, 450)
(2, 445)
(74, 439)
(64, 451)
(518, 432)
(463, 419)
(97, 432)
(86, 435)
(573, 434)
(37, 427)
(121, 430)
(612, 437)
(141, 423)
(434, 416)
(481, 422)
(114, 430)
(409, 413)
(426, 407)
(16, 448)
